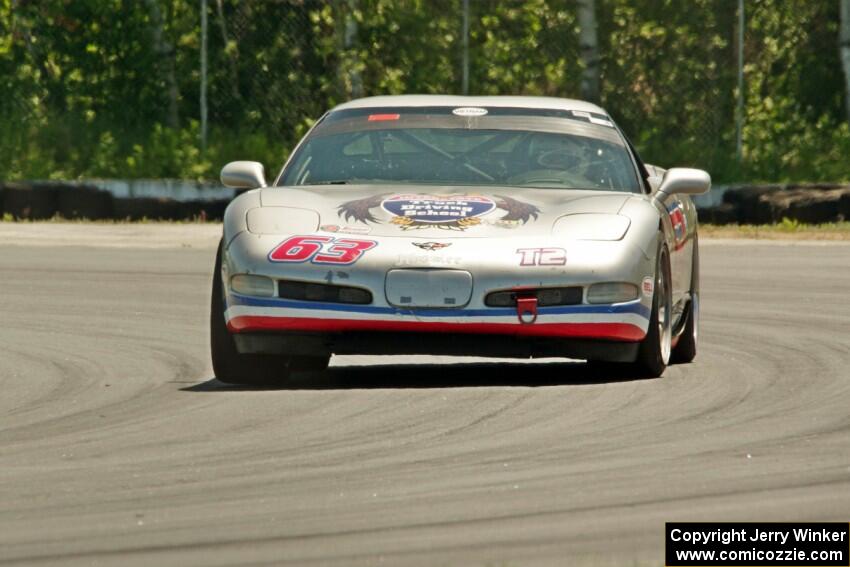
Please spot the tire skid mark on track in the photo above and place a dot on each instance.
(551, 514)
(377, 463)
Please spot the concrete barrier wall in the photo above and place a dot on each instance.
(178, 200)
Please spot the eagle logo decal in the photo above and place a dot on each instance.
(449, 212)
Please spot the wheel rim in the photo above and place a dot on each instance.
(665, 331)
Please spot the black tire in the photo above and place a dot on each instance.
(228, 364)
(654, 353)
(686, 349)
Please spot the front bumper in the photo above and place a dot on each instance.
(625, 322)
(493, 267)
(446, 344)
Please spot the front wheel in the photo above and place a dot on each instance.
(686, 348)
(228, 364)
(654, 353)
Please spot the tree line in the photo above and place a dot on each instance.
(111, 88)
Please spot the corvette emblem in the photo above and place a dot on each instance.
(432, 245)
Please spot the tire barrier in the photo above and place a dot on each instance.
(767, 204)
(45, 200)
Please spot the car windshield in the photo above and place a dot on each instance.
(466, 146)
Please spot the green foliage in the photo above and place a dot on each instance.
(668, 78)
(109, 88)
(528, 48)
(787, 229)
(795, 126)
(790, 225)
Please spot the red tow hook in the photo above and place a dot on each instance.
(526, 309)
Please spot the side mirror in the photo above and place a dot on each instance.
(683, 181)
(243, 175)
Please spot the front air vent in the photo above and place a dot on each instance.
(547, 296)
(306, 291)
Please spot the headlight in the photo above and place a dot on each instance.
(592, 226)
(282, 220)
(249, 284)
(614, 292)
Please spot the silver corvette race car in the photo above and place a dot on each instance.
(488, 226)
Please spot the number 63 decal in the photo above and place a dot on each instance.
(320, 250)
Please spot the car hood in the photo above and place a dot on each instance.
(441, 211)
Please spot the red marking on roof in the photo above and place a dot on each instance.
(382, 117)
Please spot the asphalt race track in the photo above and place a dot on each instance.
(118, 447)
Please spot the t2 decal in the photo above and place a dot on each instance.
(542, 256)
(320, 249)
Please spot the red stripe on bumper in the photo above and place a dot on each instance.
(610, 331)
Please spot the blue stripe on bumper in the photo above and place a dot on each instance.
(631, 307)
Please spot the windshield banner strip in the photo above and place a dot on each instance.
(443, 121)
